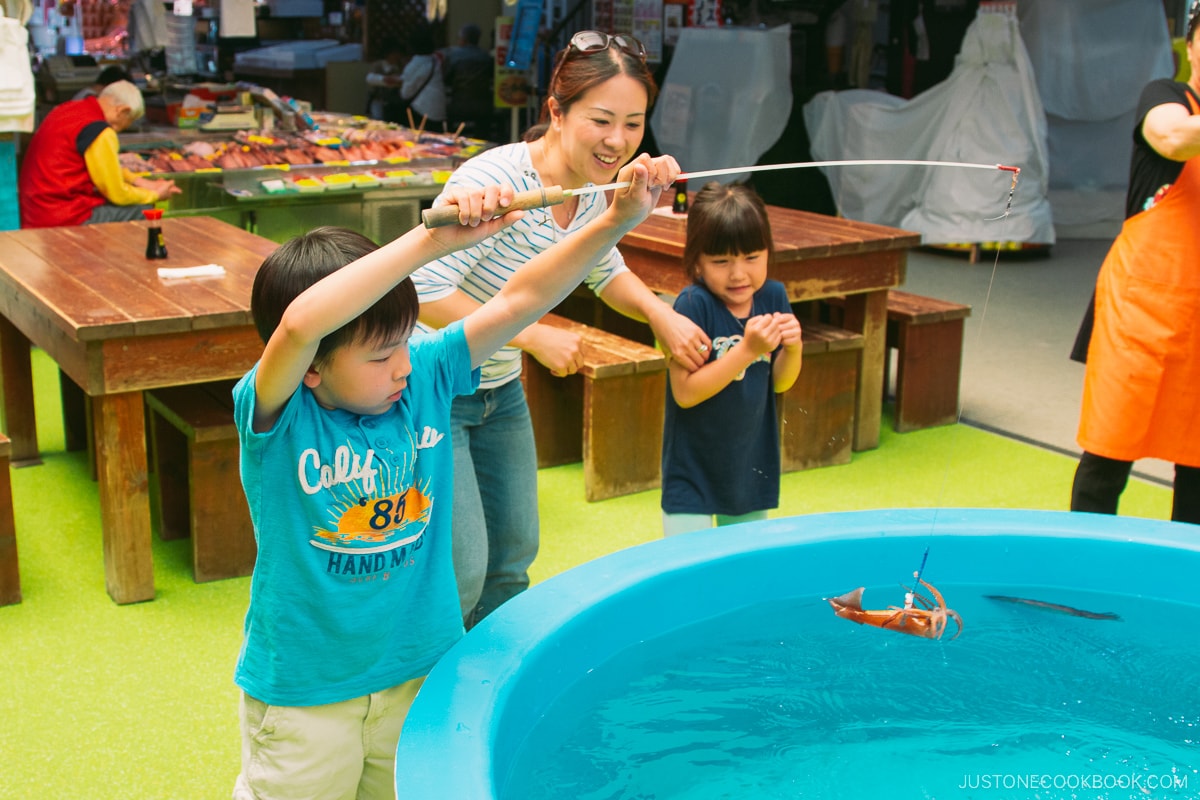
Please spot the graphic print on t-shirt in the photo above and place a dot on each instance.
(374, 506)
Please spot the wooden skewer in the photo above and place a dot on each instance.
(420, 130)
(411, 124)
(458, 131)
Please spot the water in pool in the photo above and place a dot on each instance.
(787, 701)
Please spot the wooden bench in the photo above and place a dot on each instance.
(927, 335)
(194, 452)
(609, 414)
(10, 575)
(816, 415)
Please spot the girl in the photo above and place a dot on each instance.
(721, 438)
(592, 123)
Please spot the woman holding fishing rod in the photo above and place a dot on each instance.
(1141, 391)
(592, 123)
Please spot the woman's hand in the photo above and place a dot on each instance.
(633, 203)
(557, 350)
(664, 170)
(685, 342)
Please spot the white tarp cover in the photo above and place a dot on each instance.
(1091, 59)
(987, 111)
(726, 98)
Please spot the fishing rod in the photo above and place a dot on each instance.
(555, 195)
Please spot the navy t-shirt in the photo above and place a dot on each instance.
(722, 456)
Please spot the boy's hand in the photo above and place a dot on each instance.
(480, 215)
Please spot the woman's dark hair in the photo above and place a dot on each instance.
(725, 220)
(300, 262)
(577, 73)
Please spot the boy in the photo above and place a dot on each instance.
(347, 471)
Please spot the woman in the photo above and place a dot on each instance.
(421, 84)
(1141, 392)
(592, 123)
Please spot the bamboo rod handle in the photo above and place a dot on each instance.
(534, 198)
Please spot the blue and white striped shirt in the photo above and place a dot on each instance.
(481, 271)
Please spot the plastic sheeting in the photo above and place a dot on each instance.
(17, 94)
(726, 98)
(987, 111)
(1091, 59)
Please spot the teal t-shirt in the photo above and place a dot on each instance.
(353, 590)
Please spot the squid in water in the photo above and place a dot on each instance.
(919, 616)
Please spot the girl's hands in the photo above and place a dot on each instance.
(790, 332)
(766, 332)
(763, 333)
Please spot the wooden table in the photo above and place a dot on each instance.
(815, 256)
(89, 297)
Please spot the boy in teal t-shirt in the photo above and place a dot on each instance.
(347, 470)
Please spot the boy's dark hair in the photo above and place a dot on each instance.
(725, 220)
(300, 262)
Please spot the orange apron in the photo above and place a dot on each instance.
(1141, 391)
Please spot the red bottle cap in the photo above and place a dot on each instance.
(153, 213)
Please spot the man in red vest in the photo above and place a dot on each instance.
(71, 175)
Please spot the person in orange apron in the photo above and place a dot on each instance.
(1141, 393)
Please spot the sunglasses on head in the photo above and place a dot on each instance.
(595, 41)
(588, 42)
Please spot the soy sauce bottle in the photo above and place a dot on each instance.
(155, 246)
(680, 205)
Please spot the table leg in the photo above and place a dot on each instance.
(16, 372)
(120, 424)
(866, 313)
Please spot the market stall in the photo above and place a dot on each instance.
(350, 171)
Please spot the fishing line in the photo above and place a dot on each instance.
(978, 338)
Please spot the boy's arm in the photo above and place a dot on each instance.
(548, 277)
(345, 294)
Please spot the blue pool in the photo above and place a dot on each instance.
(710, 666)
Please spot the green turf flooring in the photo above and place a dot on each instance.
(100, 701)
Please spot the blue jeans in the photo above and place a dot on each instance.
(495, 497)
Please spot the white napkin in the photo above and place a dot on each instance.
(202, 271)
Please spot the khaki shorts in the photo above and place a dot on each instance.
(339, 751)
